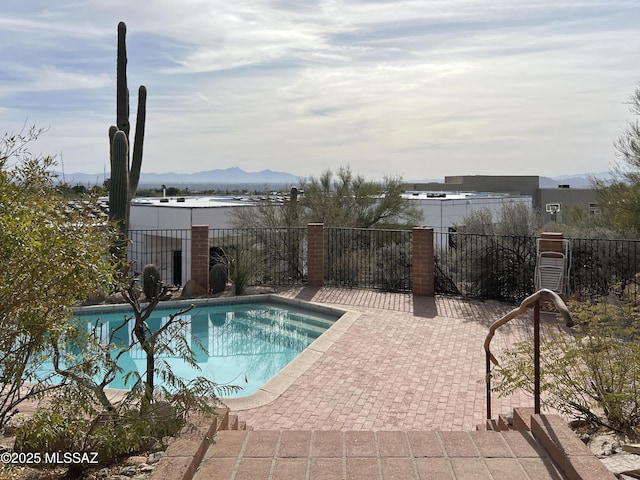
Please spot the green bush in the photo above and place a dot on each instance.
(592, 374)
(393, 267)
(71, 422)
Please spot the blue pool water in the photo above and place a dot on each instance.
(242, 344)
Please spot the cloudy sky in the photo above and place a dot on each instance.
(417, 88)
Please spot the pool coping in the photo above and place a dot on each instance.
(280, 382)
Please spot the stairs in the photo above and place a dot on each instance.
(569, 453)
(186, 451)
(526, 446)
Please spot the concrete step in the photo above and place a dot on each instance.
(566, 449)
(550, 450)
(364, 454)
(233, 422)
(504, 423)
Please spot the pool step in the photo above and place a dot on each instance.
(292, 311)
(306, 318)
(290, 330)
(313, 328)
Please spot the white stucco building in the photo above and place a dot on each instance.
(167, 213)
(446, 210)
(160, 230)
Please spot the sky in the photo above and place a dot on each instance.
(414, 88)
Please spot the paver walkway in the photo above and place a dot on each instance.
(407, 363)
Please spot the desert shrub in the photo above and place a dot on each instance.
(245, 265)
(65, 424)
(53, 255)
(591, 374)
(393, 267)
(344, 270)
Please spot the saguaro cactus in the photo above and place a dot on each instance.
(124, 175)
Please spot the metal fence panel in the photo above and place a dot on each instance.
(601, 266)
(165, 249)
(502, 267)
(368, 258)
(274, 256)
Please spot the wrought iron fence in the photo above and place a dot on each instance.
(272, 256)
(601, 266)
(368, 258)
(498, 267)
(485, 266)
(164, 248)
(502, 267)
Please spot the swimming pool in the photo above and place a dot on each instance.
(244, 342)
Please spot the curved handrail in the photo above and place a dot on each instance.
(543, 294)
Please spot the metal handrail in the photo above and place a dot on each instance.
(535, 299)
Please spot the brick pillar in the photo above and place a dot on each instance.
(315, 254)
(423, 261)
(200, 255)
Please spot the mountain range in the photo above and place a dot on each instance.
(236, 175)
(217, 176)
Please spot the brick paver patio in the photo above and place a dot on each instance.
(407, 363)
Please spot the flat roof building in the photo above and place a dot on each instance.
(549, 201)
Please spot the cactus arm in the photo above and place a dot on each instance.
(112, 131)
(136, 162)
(122, 90)
(119, 187)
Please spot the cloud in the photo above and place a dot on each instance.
(426, 87)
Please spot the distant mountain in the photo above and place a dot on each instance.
(574, 181)
(227, 175)
(236, 175)
(89, 179)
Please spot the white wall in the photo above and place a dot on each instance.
(442, 213)
(161, 216)
(153, 217)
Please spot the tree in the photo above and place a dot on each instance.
(619, 198)
(337, 199)
(345, 200)
(53, 256)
